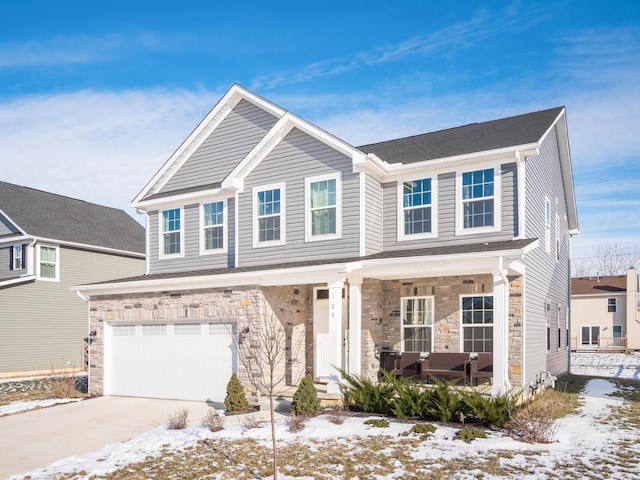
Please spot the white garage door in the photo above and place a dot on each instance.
(182, 361)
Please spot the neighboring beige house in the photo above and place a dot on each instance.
(48, 243)
(604, 313)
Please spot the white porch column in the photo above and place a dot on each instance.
(355, 325)
(334, 344)
(501, 382)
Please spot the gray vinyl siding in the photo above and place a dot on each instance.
(446, 206)
(44, 323)
(238, 133)
(296, 157)
(373, 222)
(6, 227)
(192, 260)
(546, 279)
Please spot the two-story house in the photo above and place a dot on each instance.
(450, 241)
(605, 315)
(48, 243)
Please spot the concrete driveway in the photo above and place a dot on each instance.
(37, 438)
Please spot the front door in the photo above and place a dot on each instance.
(321, 367)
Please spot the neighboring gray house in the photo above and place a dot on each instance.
(455, 240)
(48, 243)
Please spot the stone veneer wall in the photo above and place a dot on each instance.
(240, 305)
(382, 300)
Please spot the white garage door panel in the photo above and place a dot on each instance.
(184, 367)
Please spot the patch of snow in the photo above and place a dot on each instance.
(612, 365)
(23, 406)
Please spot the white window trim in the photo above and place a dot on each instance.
(557, 238)
(430, 325)
(547, 224)
(254, 213)
(225, 229)
(497, 201)
(615, 304)
(57, 269)
(308, 237)
(463, 325)
(161, 254)
(613, 327)
(20, 265)
(434, 210)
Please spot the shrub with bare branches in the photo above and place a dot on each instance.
(296, 423)
(337, 415)
(213, 420)
(178, 420)
(251, 421)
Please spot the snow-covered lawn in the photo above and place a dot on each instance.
(598, 442)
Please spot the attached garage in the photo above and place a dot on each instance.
(172, 360)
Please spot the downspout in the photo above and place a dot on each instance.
(89, 337)
(146, 238)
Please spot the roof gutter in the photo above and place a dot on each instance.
(86, 246)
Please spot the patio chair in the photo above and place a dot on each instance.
(407, 365)
(482, 367)
(445, 365)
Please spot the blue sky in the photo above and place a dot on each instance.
(95, 96)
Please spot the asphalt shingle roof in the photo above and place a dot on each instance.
(476, 137)
(598, 285)
(48, 215)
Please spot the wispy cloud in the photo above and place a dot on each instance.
(82, 49)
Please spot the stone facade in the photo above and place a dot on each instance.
(291, 307)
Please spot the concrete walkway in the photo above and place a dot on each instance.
(37, 438)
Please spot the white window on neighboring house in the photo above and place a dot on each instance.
(323, 217)
(589, 335)
(48, 263)
(417, 324)
(416, 213)
(213, 233)
(566, 328)
(477, 324)
(612, 305)
(617, 331)
(479, 206)
(269, 215)
(17, 253)
(547, 225)
(171, 233)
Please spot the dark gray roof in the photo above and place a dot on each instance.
(476, 137)
(421, 252)
(61, 218)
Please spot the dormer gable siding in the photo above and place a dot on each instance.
(227, 145)
(297, 157)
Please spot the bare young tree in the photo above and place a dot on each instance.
(607, 260)
(267, 350)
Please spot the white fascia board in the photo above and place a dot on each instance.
(86, 246)
(213, 119)
(14, 240)
(386, 172)
(598, 295)
(185, 198)
(287, 122)
(17, 280)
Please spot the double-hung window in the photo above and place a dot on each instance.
(479, 201)
(323, 205)
(617, 331)
(612, 305)
(417, 210)
(557, 238)
(417, 324)
(547, 225)
(477, 324)
(48, 263)
(268, 215)
(213, 232)
(171, 233)
(17, 258)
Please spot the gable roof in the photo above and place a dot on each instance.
(55, 217)
(599, 285)
(476, 137)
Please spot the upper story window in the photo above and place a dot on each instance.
(48, 263)
(612, 305)
(557, 238)
(417, 210)
(323, 204)
(171, 233)
(477, 324)
(213, 231)
(268, 224)
(547, 225)
(17, 258)
(417, 324)
(479, 201)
